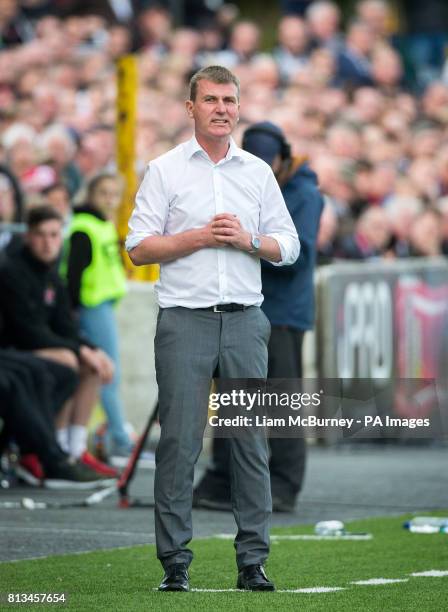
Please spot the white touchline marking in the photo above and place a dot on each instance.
(430, 573)
(305, 536)
(218, 591)
(313, 590)
(379, 581)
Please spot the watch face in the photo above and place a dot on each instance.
(256, 242)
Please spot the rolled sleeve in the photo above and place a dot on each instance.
(276, 222)
(151, 208)
(289, 248)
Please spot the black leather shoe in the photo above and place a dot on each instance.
(176, 578)
(253, 578)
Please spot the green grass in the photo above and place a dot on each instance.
(123, 580)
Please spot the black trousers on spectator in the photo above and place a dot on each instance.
(288, 455)
(26, 389)
(54, 383)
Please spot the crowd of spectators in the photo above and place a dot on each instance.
(347, 99)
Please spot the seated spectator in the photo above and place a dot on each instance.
(26, 390)
(96, 281)
(96, 152)
(426, 234)
(153, 29)
(370, 238)
(442, 207)
(442, 170)
(323, 18)
(402, 212)
(291, 53)
(435, 101)
(15, 28)
(354, 68)
(58, 148)
(58, 196)
(37, 318)
(387, 71)
(326, 236)
(377, 15)
(244, 45)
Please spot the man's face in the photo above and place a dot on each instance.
(60, 200)
(215, 110)
(107, 196)
(45, 240)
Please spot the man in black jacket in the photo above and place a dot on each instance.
(36, 316)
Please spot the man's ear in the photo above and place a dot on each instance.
(189, 105)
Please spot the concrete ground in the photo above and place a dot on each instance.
(342, 482)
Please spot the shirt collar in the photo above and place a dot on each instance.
(192, 146)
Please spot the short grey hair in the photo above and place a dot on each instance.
(215, 74)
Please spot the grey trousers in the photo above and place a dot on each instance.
(189, 345)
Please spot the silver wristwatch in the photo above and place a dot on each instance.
(255, 243)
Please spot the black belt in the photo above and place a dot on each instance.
(225, 307)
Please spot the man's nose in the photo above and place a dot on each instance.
(220, 106)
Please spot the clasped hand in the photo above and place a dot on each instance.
(226, 229)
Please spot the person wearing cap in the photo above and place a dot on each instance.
(289, 306)
(208, 212)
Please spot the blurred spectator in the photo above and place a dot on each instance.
(58, 197)
(58, 148)
(291, 53)
(154, 26)
(15, 28)
(323, 18)
(243, 46)
(387, 71)
(402, 212)
(377, 15)
(435, 101)
(442, 169)
(96, 152)
(426, 234)
(96, 281)
(326, 236)
(442, 206)
(354, 68)
(370, 238)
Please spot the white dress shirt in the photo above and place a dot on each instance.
(183, 190)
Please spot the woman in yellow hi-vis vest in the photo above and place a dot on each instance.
(96, 281)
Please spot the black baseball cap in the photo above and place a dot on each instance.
(265, 140)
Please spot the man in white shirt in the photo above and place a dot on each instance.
(207, 211)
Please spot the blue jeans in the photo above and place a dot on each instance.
(98, 325)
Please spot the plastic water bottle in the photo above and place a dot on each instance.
(427, 524)
(329, 528)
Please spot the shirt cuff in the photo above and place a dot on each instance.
(289, 249)
(133, 240)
